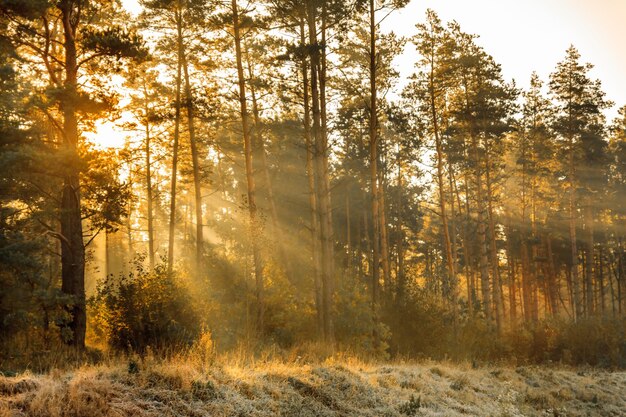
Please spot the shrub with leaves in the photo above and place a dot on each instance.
(144, 308)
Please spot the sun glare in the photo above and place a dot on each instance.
(132, 6)
(106, 135)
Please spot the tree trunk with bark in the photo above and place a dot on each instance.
(195, 163)
(173, 182)
(72, 246)
(589, 275)
(495, 267)
(373, 156)
(310, 170)
(255, 228)
(149, 190)
(324, 197)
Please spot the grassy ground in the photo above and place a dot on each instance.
(332, 388)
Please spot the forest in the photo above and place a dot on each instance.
(278, 186)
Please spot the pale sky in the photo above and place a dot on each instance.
(527, 35)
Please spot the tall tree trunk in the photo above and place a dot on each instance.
(107, 254)
(612, 292)
(526, 281)
(251, 188)
(481, 217)
(366, 233)
(400, 275)
(325, 212)
(129, 227)
(197, 186)
(482, 234)
(450, 261)
(149, 190)
(348, 232)
(374, 178)
(589, 308)
(552, 277)
(512, 285)
(72, 248)
(172, 224)
(320, 165)
(469, 271)
(570, 292)
(533, 247)
(572, 230)
(359, 252)
(526, 290)
(495, 267)
(384, 237)
(601, 279)
(310, 170)
(619, 275)
(453, 228)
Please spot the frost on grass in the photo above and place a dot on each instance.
(178, 388)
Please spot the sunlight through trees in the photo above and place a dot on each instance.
(261, 169)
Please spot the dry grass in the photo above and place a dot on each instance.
(243, 386)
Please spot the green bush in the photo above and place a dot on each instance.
(594, 341)
(144, 308)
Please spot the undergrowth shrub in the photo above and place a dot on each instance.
(594, 341)
(354, 321)
(411, 407)
(423, 327)
(144, 308)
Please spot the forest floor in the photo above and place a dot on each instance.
(351, 388)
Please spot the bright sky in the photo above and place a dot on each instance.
(532, 35)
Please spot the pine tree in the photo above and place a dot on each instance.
(88, 41)
(431, 87)
(579, 124)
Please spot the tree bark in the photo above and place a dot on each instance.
(453, 241)
(480, 208)
(318, 135)
(348, 233)
(495, 267)
(552, 277)
(400, 276)
(482, 235)
(251, 187)
(572, 229)
(325, 212)
(469, 270)
(589, 309)
(149, 190)
(172, 223)
(310, 170)
(601, 279)
(450, 262)
(197, 186)
(384, 237)
(526, 280)
(72, 248)
(374, 179)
